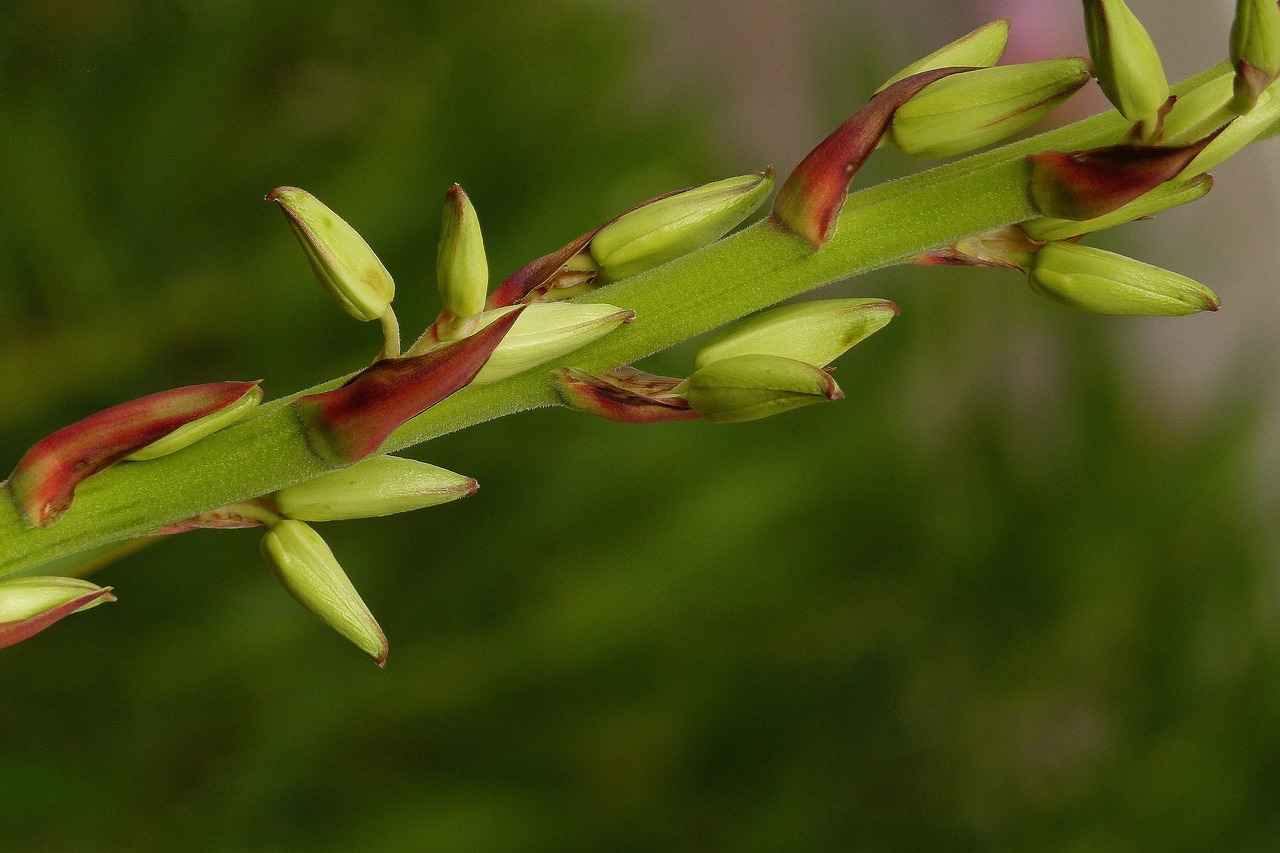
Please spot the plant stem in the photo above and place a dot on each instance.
(761, 265)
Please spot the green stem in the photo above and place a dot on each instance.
(761, 265)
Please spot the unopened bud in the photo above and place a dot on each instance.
(189, 433)
(1106, 283)
(461, 268)
(977, 108)
(747, 387)
(815, 332)
(547, 331)
(306, 568)
(1047, 229)
(340, 257)
(1126, 61)
(1255, 49)
(677, 224)
(28, 605)
(383, 485)
(979, 49)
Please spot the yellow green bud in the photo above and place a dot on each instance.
(340, 257)
(677, 224)
(977, 108)
(28, 605)
(1200, 112)
(979, 49)
(1047, 229)
(1237, 135)
(1126, 62)
(1255, 49)
(306, 568)
(191, 432)
(383, 485)
(747, 387)
(814, 332)
(1106, 283)
(462, 270)
(547, 331)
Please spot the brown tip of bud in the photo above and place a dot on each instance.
(1087, 184)
(810, 200)
(624, 395)
(15, 632)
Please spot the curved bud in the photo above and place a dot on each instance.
(1171, 194)
(1237, 135)
(815, 332)
(28, 605)
(45, 479)
(1126, 61)
(191, 432)
(383, 485)
(1106, 283)
(306, 568)
(339, 256)
(980, 107)
(624, 395)
(981, 48)
(676, 225)
(461, 268)
(546, 331)
(1255, 49)
(747, 387)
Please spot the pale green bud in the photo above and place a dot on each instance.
(462, 270)
(675, 225)
(1200, 112)
(27, 597)
(1125, 60)
(977, 108)
(306, 568)
(193, 431)
(747, 387)
(1046, 229)
(340, 257)
(815, 332)
(1255, 49)
(979, 49)
(1106, 283)
(382, 485)
(1237, 135)
(545, 332)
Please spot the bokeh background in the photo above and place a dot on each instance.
(1018, 592)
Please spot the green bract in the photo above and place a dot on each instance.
(748, 387)
(547, 331)
(814, 332)
(382, 485)
(26, 597)
(977, 108)
(188, 434)
(981, 48)
(1106, 283)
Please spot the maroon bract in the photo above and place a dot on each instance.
(16, 632)
(46, 477)
(1086, 184)
(624, 395)
(809, 202)
(349, 423)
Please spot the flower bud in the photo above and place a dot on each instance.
(1255, 49)
(980, 107)
(624, 395)
(1126, 62)
(979, 49)
(1239, 134)
(677, 224)
(747, 387)
(1106, 283)
(45, 479)
(306, 568)
(1047, 229)
(340, 257)
(815, 332)
(461, 268)
(546, 331)
(189, 433)
(383, 485)
(28, 605)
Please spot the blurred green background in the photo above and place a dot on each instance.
(1018, 592)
